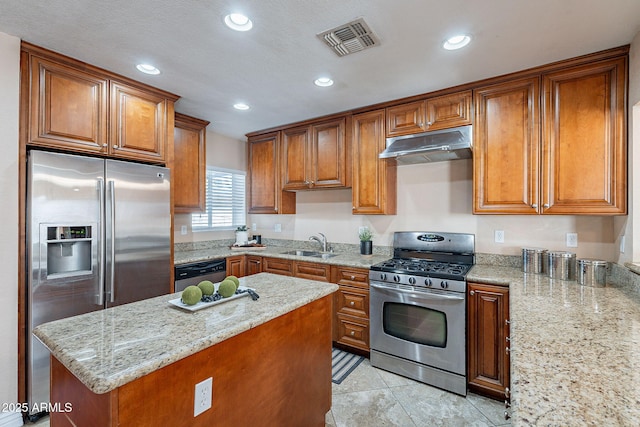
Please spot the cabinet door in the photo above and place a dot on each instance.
(188, 175)
(236, 266)
(296, 158)
(138, 127)
(265, 188)
(68, 107)
(277, 266)
(406, 119)
(584, 140)
(254, 265)
(312, 271)
(329, 154)
(374, 180)
(488, 358)
(352, 301)
(353, 332)
(449, 111)
(506, 148)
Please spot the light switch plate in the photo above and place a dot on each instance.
(277, 228)
(183, 230)
(572, 240)
(499, 236)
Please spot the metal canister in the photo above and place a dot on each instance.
(562, 265)
(592, 272)
(532, 260)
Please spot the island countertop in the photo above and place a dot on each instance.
(575, 350)
(108, 348)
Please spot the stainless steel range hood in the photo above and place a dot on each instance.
(434, 146)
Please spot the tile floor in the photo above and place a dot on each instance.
(370, 397)
(373, 397)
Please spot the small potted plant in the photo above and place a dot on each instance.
(242, 235)
(366, 245)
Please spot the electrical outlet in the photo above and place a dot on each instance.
(203, 396)
(572, 240)
(498, 236)
(183, 230)
(254, 227)
(622, 244)
(277, 228)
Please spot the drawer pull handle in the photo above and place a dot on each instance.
(353, 333)
(472, 293)
(507, 405)
(507, 321)
(508, 339)
(506, 415)
(506, 392)
(507, 349)
(353, 277)
(352, 303)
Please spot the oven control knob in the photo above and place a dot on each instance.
(383, 276)
(412, 280)
(396, 278)
(444, 285)
(428, 282)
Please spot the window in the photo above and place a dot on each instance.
(225, 201)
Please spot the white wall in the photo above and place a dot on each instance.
(625, 226)
(438, 197)
(9, 94)
(224, 152)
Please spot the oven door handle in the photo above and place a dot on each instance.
(423, 293)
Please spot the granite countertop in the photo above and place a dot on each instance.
(575, 350)
(348, 259)
(108, 348)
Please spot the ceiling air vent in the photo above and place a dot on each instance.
(349, 38)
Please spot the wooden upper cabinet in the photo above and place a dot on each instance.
(264, 188)
(77, 107)
(188, 175)
(506, 148)
(138, 123)
(316, 156)
(573, 162)
(584, 139)
(374, 179)
(440, 112)
(296, 158)
(449, 111)
(68, 107)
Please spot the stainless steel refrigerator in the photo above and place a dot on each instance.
(98, 235)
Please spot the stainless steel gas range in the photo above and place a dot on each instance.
(418, 308)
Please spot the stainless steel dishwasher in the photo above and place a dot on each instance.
(194, 273)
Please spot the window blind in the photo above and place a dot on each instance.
(225, 201)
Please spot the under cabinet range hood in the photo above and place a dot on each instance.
(434, 146)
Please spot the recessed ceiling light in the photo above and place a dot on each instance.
(241, 106)
(456, 42)
(147, 69)
(238, 22)
(323, 82)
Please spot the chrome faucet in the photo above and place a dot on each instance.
(323, 241)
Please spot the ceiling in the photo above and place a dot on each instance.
(273, 66)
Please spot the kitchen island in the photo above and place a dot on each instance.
(138, 364)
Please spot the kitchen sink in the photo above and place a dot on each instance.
(315, 254)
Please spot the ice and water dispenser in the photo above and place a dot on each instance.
(68, 250)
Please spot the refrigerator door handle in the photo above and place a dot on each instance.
(112, 265)
(102, 249)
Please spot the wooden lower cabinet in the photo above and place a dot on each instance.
(277, 266)
(254, 265)
(488, 339)
(351, 307)
(236, 266)
(312, 271)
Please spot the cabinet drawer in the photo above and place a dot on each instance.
(312, 270)
(358, 277)
(254, 265)
(277, 266)
(352, 301)
(353, 331)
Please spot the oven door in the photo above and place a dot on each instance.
(424, 326)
